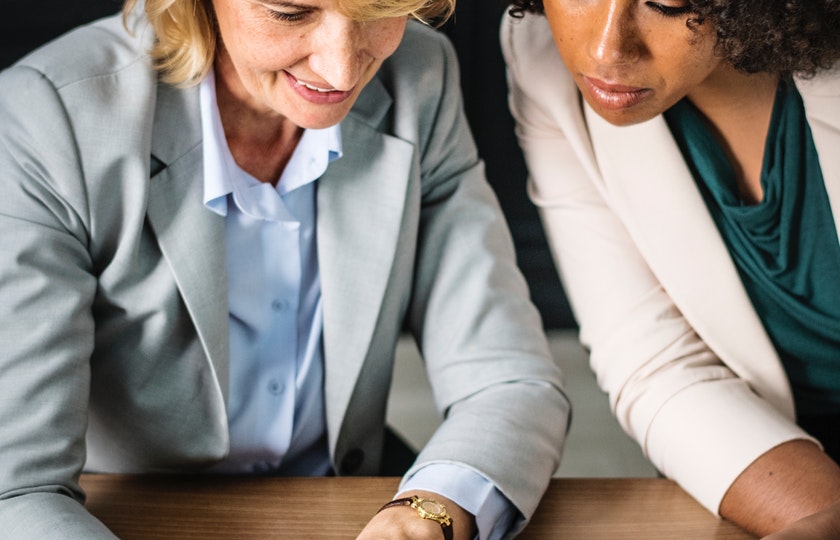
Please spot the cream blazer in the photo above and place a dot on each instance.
(674, 340)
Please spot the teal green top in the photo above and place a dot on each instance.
(785, 248)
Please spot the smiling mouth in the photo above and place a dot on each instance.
(313, 87)
(614, 96)
(316, 94)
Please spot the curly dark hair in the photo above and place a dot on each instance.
(779, 36)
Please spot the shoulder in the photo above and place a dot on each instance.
(528, 36)
(414, 84)
(527, 43)
(78, 105)
(423, 43)
(821, 97)
(424, 60)
(100, 49)
(824, 84)
(543, 96)
(534, 66)
(68, 86)
(96, 71)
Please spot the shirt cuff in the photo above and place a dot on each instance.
(493, 512)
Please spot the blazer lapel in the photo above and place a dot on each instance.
(191, 238)
(664, 211)
(821, 97)
(361, 204)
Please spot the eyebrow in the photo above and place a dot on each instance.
(287, 4)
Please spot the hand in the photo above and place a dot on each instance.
(403, 523)
(820, 526)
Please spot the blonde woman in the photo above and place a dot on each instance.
(217, 217)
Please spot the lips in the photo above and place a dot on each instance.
(614, 96)
(317, 94)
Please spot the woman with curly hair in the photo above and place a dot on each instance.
(684, 157)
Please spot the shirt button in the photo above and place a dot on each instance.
(279, 305)
(276, 387)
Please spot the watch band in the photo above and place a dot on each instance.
(438, 514)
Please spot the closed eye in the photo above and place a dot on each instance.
(669, 11)
(285, 16)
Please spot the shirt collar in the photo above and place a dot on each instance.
(314, 152)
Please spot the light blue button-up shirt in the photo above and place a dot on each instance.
(276, 403)
(275, 407)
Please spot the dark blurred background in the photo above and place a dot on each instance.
(25, 24)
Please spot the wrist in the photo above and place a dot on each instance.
(427, 508)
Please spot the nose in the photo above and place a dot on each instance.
(339, 53)
(616, 38)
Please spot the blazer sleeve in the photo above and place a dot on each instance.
(489, 366)
(667, 388)
(46, 328)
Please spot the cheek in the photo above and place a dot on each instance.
(567, 29)
(385, 37)
(693, 53)
(694, 69)
(260, 50)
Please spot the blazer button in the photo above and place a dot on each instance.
(352, 461)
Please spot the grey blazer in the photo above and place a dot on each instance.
(114, 319)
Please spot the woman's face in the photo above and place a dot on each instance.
(300, 59)
(632, 59)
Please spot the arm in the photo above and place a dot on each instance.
(794, 488)
(480, 336)
(47, 286)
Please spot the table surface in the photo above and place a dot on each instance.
(211, 507)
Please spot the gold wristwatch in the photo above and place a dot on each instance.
(426, 509)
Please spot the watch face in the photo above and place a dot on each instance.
(431, 507)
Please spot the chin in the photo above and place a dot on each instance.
(624, 116)
(628, 117)
(624, 122)
(320, 121)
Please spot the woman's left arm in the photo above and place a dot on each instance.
(486, 354)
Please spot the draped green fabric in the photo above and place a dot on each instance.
(785, 247)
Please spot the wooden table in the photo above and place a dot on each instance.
(212, 507)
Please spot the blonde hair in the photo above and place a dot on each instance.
(185, 31)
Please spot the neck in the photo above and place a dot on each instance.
(737, 108)
(261, 142)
